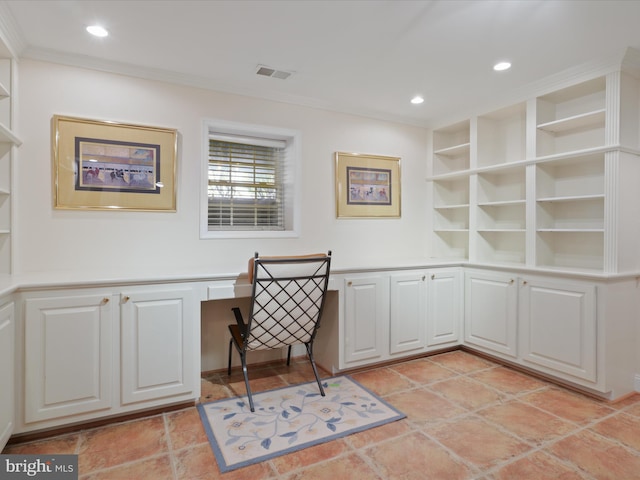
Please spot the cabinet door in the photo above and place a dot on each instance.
(158, 342)
(408, 312)
(68, 343)
(559, 326)
(444, 307)
(7, 380)
(490, 311)
(366, 318)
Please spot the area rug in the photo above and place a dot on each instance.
(290, 419)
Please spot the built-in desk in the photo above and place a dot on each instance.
(124, 327)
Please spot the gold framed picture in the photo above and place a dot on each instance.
(109, 166)
(367, 186)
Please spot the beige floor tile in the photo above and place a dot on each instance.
(508, 381)
(185, 428)
(622, 427)
(568, 405)
(309, 456)
(198, 463)
(379, 434)
(382, 381)
(461, 362)
(121, 443)
(466, 392)
(422, 371)
(350, 467)
(414, 456)
(527, 422)
(213, 389)
(477, 441)
(64, 444)
(598, 456)
(150, 469)
(521, 428)
(423, 406)
(537, 466)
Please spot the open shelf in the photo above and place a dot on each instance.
(502, 217)
(451, 193)
(577, 122)
(506, 185)
(535, 184)
(570, 177)
(452, 218)
(7, 136)
(450, 244)
(501, 136)
(578, 214)
(570, 249)
(501, 246)
(451, 149)
(572, 118)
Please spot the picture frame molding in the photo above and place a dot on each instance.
(367, 186)
(106, 165)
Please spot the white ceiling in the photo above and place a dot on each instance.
(364, 57)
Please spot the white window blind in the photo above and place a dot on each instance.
(245, 183)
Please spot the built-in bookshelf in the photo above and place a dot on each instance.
(545, 183)
(8, 142)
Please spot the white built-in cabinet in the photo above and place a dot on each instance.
(549, 183)
(101, 352)
(7, 369)
(389, 315)
(540, 201)
(408, 312)
(558, 329)
(8, 144)
(366, 318)
(490, 312)
(545, 323)
(157, 332)
(444, 307)
(69, 346)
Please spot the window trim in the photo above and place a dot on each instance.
(292, 168)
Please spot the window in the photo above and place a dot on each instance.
(249, 179)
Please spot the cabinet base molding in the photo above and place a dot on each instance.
(541, 376)
(76, 427)
(350, 370)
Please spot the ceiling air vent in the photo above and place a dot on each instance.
(272, 72)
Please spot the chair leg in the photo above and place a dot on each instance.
(229, 366)
(313, 365)
(289, 356)
(246, 381)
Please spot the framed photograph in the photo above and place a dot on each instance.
(106, 165)
(367, 185)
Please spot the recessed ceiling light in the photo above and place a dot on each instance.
(501, 66)
(97, 30)
(417, 100)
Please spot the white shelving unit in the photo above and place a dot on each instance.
(547, 183)
(501, 136)
(571, 119)
(451, 151)
(8, 142)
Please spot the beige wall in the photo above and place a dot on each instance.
(112, 241)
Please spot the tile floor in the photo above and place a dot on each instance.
(467, 418)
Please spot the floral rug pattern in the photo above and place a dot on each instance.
(289, 419)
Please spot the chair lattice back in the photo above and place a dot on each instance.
(288, 299)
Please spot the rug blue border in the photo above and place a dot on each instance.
(222, 465)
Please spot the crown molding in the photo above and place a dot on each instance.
(12, 43)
